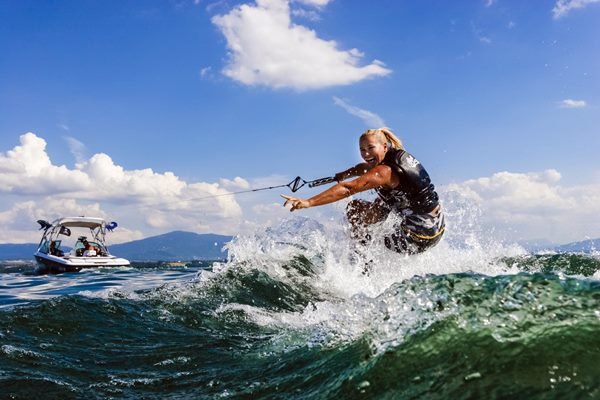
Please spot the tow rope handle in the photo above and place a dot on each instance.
(298, 183)
(322, 181)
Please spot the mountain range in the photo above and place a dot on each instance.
(172, 246)
(186, 246)
(585, 246)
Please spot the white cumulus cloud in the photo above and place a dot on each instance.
(19, 222)
(315, 3)
(570, 103)
(77, 148)
(534, 205)
(563, 7)
(370, 119)
(205, 72)
(311, 15)
(266, 48)
(27, 169)
(99, 185)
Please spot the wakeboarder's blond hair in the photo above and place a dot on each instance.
(385, 135)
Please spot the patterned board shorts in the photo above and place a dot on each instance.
(417, 233)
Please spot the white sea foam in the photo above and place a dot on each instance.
(331, 250)
(357, 303)
(18, 352)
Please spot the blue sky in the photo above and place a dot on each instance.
(136, 110)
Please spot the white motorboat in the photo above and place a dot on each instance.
(59, 251)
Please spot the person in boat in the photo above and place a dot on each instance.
(90, 251)
(403, 187)
(54, 250)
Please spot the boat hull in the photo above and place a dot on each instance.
(54, 264)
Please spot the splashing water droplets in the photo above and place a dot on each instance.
(342, 300)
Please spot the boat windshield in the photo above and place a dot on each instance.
(51, 247)
(43, 246)
(82, 244)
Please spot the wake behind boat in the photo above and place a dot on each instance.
(55, 254)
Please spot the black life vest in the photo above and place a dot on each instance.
(415, 193)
